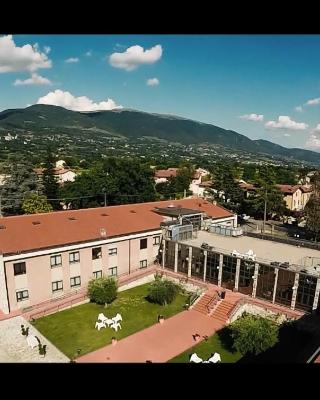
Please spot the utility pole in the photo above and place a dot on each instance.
(265, 211)
(105, 196)
(184, 193)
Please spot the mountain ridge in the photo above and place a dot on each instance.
(129, 123)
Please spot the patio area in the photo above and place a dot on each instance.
(14, 347)
(73, 330)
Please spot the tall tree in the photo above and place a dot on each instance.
(267, 194)
(22, 182)
(35, 204)
(51, 186)
(118, 181)
(312, 208)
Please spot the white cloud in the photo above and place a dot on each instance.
(153, 82)
(135, 56)
(47, 49)
(34, 80)
(313, 102)
(313, 141)
(252, 117)
(89, 53)
(72, 60)
(24, 58)
(285, 122)
(298, 108)
(82, 103)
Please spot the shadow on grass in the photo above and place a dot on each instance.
(297, 342)
(226, 339)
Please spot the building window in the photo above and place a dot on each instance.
(19, 268)
(55, 261)
(96, 253)
(74, 257)
(143, 243)
(156, 240)
(97, 274)
(22, 295)
(143, 263)
(113, 252)
(56, 286)
(75, 281)
(113, 271)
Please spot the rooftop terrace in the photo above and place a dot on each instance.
(266, 251)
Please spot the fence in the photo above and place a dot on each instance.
(48, 307)
(290, 241)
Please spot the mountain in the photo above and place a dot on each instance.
(45, 119)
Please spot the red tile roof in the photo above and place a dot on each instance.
(288, 189)
(166, 173)
(57, 229)
(57, 171)
(247, 186)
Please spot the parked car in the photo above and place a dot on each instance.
(245, 217)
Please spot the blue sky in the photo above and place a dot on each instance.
(210, 78)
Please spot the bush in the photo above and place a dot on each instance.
(103, 290)
(253, 335)
(163, 291)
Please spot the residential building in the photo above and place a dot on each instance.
(62, 175)
(45, 256)
(162, 175)
(196, 186)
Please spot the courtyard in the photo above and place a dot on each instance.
(73, 330)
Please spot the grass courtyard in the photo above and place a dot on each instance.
(74, 328)
(205, 349)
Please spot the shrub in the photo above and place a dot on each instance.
(103, 290)
(253, 334)
(163, 291)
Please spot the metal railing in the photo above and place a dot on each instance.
(290, 241)
(212, 303)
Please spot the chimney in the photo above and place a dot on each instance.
(103, 233)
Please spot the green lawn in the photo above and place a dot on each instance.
(74, 328)
(206, 348)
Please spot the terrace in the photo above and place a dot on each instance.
(267, 252)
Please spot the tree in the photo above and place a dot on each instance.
(122, 180)
(35, 204)
(253, 334)
(163, 291)
(22, 182)
(312, 208)
(103, 290)
(267, 193)
(51, 186)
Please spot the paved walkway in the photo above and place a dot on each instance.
(14, 348)
(158, 343)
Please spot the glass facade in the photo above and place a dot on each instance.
(183, 256)
(265, 283)
(169, 256)
(246, 277)
(229, 271)
(197, 265)
(284, 289)
(212, 272)
(306, 292)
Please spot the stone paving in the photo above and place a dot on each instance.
(14, 348)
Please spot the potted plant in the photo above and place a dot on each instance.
(161, 319)
(42, 349)
(24, 331)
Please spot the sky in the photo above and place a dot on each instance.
(262, 86)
